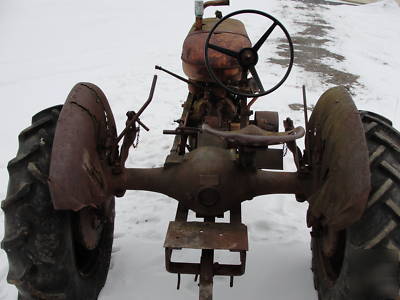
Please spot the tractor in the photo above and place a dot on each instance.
(70, 167)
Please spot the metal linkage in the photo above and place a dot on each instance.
(136, 116)
(129, 135)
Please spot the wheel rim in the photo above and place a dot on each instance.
(332, 264)
(88, 232)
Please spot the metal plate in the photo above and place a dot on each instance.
(339, 159)
(206, 235)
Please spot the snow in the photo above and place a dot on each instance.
(48, 46)
(370, 40)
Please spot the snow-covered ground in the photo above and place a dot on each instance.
(47, 46)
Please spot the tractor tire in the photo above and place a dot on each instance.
(46, 259)
(366, 263)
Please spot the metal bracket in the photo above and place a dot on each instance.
(206, 236)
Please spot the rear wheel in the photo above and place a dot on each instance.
(49, 255)
(365, 263)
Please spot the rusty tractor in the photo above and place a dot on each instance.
(70, 166)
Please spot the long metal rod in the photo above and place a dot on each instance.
(306, 121)
(137, 115)
(177, 76)
(206, 275)
(143, 125)
(216, 3)
(305, 108)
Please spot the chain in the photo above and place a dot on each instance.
(137, 138)
(284, 149)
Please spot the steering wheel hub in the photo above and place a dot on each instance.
(248, 57)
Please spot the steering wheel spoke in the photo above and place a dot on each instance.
(224, 51)
(265, 36)
(253, 72)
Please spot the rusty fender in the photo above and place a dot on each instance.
(340, 163)
(80, 175)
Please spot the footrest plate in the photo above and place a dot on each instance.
(207, 235)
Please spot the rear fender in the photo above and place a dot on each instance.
(339, 161)
(80, 172)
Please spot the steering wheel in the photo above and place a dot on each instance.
(248, 57)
